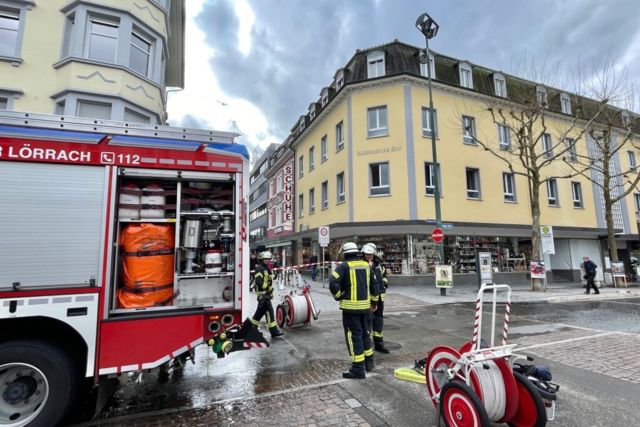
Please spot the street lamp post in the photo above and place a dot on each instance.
(429, 28)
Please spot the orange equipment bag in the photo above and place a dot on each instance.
(148, 251)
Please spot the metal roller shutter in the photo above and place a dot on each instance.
(50, 223)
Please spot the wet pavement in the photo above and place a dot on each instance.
(591, 347)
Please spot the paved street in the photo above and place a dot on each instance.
(590, 345)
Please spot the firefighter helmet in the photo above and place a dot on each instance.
(349, 248)
(369, 249)
(266, 255)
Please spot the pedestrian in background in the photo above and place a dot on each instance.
(590, 268)
(351, 284)
(380, 276)
(314, 266)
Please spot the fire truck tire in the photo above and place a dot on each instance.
(460, 406)
(531, 411)
(38, 383)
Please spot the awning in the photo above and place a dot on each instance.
(277, 245)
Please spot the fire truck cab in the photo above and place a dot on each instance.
(122, 247)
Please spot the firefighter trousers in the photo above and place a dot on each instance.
(356, 332)
(378, 323)
(265, 308)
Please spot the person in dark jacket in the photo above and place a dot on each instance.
(264, 289)
(590, 268)
(353, 286)
(380, 276)
(314, 266)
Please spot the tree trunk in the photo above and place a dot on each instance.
(536, 284)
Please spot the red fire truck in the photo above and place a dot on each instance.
(122, 247)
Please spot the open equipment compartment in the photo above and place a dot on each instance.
(175, 242)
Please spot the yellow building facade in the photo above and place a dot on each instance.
(109, 60)
(376, 183)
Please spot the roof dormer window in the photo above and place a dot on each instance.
(376, 66)
(626, 119)
(339, 78)
(325, 96)
(565, 103)
(541, 96)
(432, 67)
(302, 123)
(499, 85)
(466, 76)
(312, 111)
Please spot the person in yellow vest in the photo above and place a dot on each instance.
(353, 286)
(263, 285)
(377, 268)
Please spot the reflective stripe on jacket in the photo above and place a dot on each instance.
(262, 279)
(354, 286)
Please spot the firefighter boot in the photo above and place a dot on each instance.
(356, 372)
(379, 346)
(368, 363)
(275, 332)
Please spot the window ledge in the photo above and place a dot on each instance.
(15, 61)
(580, 208)
(378, 136)
(465, 142)
(380, 195)
(340, 149)
(341, 203)
(474, 199)
(429, 136)
(554, 206)
(433, 195)
(311, 168)
(512, 202)
(324, 160)
(324, 209)
(69, 59)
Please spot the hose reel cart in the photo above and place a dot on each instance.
(477, 386)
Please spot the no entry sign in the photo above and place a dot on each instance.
(437, 235)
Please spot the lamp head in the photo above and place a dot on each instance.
(427, 26)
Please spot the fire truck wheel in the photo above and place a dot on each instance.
(38, 383)
(531, 411)
(460, 406)
(281, 315)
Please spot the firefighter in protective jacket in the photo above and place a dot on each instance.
(263, 284)
(377, 268)
(352, 285)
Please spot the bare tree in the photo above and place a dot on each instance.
(255, 155)
(614, 131)
(533, 137)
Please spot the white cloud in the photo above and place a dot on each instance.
(202, 97)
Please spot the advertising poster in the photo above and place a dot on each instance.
(537, 270)
(617, 269)
(486, 273)
(444, 276)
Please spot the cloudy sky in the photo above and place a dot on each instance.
(258, 64)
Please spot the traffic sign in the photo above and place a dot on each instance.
(432, 221)
(323, 236)
(437, 235)
(447, 225)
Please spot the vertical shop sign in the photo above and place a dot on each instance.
(287, 205)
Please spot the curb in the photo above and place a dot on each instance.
(594, 297)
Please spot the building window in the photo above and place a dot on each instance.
(103, 39)
(4, 103)
(312, 201)
(325, 195)
(339, 137)
(552, 192)
(278, 216)
(572, 155)
(504, 137)
(547, 147)
(325, 97)
(140, 54)
(301, 205)
(11, 29)
(258, 212)
(135, 117)
(379, 179)
(377, 118)
(626, 121)
(468, 130)
(340, 187)
(500, 85)
(302, 123)
(60, 105)
(376, 65)
(576, 191)
(323, 148)
(466, 77)
(430, 180)
(423, 67)
(509, 187)
(636, 198)
(301, 167)
(312, 111)
(473, 183)
(279, 183)
(541, 95)
(339, 81)
(426, 122)
(94, 110)
(565, 103)
(312, 164)
(632, 160)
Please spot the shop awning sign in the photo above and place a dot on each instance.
(546, 239)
